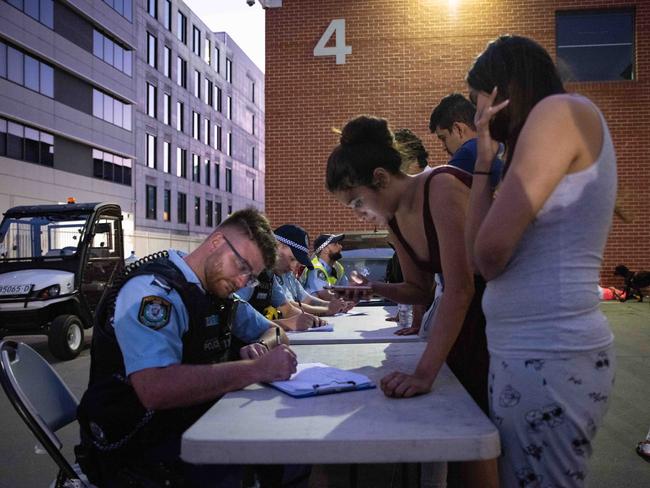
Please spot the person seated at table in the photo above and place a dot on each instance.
(326, 270)
(363, 173)
(293, 250)
(161, 356)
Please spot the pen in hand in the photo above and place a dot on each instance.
(278, 339)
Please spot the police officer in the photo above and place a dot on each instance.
(327, 270)
(160, 356)
(293, 249)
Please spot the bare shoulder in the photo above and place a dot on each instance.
(563, 110)
(447, 188)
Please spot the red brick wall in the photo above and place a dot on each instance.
(406, 55)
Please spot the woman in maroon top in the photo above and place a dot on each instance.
(425, 215)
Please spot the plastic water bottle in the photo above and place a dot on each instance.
(405, 315)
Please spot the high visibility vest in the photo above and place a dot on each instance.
(331, 279)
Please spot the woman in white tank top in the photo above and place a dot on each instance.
(551, 361)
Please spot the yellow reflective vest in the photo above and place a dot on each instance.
(331, 280)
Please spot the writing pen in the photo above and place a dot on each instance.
(277, 336)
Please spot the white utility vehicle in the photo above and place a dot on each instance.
(56, 262)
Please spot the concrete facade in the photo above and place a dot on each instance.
(64, 36)
(405, 56)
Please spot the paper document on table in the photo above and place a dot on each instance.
(313, 379)
(350, 314)
(323, 328)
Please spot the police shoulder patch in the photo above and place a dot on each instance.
(321, 275)
(154, 312)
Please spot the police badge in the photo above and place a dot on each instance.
(154, 312)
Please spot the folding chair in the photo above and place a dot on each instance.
(43, 401)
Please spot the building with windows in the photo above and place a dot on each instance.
(327, 63)
(67, 97)
(133, 102)
(199, 127)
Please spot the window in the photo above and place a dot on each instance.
(206, 165)
(208, 212)
(152, 8)
(253, 124)
(167, 108)
(124, 8)
(152, 51)
(253, 156)
(196, 168)
(217, 175)
(151, 151)
(42, 11)
(229, 70)
(252, 91)
(218, 99)
(108, 166)
(181, 207)
(181, 72)
(111, 52)
(207, 50)
(217, 213)
(253, 189)
(207, 89)
(167, 14)
(229, 144)
(111, 110)
(151, 202)
(217, 137)
(26, 70)
(196, 40)
(197, 84)
(22, 142)
(229, 181)
(197, 211)
(167, 205)
(206, 131)
(167, 62)
(181, 27)
(217, 59)
(229, 107)
(596, 45)
(195, 126)
(180, 116)
(229, 209)
(152, 94)
(181, 162)
(166, 157)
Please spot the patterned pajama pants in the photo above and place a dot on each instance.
(547, 412)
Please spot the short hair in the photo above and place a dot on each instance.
(412, 148)
(452, 108)
(256, 226)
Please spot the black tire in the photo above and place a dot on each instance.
(66, 337)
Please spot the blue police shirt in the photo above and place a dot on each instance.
(292, 288)
(277, 294)
(315, 283)
(149, 346)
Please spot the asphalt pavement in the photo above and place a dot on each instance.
(614, 463)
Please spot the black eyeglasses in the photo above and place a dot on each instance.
(245, 268)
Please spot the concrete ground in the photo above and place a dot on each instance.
(613, 465)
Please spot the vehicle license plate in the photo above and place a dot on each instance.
(14, 289)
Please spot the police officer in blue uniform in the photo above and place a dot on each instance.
(163, 353)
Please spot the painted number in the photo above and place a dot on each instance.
(340, 50)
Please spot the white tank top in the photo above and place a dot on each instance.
(545, 304)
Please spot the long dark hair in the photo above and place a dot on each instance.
(366, 144)
(523, 72)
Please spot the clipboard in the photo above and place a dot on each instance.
(313, 379)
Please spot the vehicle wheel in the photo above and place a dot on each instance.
(66, 337)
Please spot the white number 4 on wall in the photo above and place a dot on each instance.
(340, 50)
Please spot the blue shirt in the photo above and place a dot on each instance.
(293, 290)
(144, 346)
(316, 283)
(465, 158)
(277, 294)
